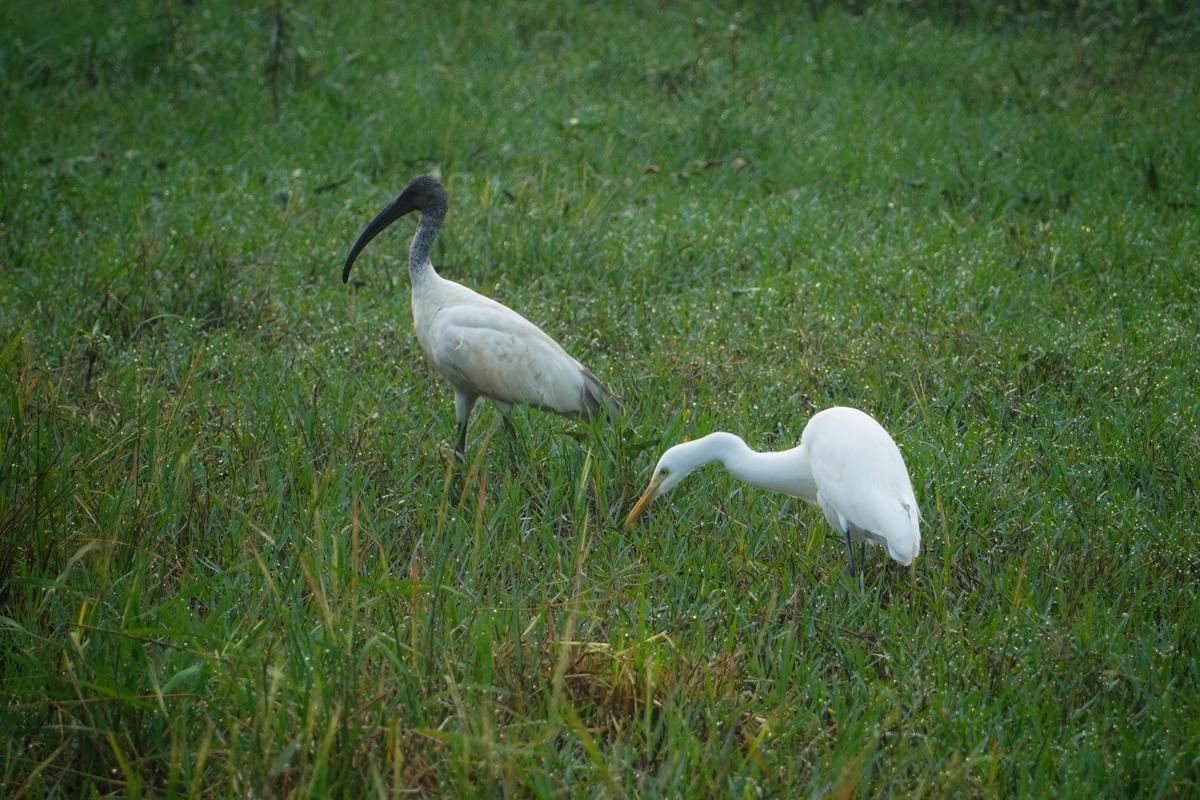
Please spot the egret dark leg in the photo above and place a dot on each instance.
(862, 557)
(849, 549)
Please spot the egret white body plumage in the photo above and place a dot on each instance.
(484, 348)
(846, 464)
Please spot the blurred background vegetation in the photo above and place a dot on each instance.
(227, 560)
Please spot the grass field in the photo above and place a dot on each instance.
(228, 561)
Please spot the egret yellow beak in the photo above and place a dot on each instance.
(642, 502)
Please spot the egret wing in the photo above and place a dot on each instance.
(860, 473)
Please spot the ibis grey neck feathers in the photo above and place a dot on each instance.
(419, 263)
(425, 194)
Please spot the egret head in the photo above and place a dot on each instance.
(424, 193)
(675, 465)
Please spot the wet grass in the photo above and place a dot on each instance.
(229, 564)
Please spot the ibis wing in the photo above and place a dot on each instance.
(492, 351)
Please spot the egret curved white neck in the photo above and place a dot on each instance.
(786, 471)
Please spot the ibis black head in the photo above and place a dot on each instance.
(424, 193)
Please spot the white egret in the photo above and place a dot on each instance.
(483, 348)
(846, 464)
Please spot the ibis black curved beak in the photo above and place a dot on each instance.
(402, 205)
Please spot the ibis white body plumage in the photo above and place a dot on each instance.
(484, 348)
(488, 350)
(846, 464)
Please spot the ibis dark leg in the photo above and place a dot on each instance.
(514, 454)
(460, 449)
(510, 431)
(463, 403)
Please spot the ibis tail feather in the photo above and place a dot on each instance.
(598, 399)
